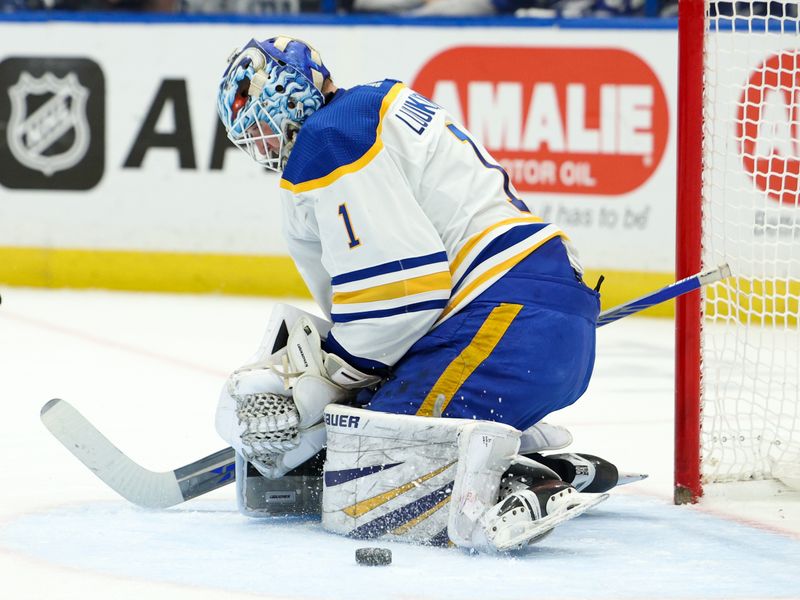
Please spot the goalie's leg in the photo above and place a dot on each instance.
(388, 476)
(432, 480)
(522, 350)
(533, 498)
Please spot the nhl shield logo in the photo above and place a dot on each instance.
(48, 130)
(52, 123)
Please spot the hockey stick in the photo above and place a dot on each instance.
(673, 290)
(161, 490)
(140, 486)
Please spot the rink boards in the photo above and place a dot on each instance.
(139, 189)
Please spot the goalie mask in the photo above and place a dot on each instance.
(267, 92)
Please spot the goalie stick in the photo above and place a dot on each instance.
(152, 489)
(673, 290)
(140, 486)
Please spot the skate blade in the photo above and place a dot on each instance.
(626, 478)
(540, 527)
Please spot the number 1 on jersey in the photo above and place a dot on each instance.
(354, 241)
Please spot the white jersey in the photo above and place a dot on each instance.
(397, 219)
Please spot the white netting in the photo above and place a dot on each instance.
(751, 219)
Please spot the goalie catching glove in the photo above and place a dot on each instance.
(271, 410)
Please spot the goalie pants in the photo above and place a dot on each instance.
(522, 349)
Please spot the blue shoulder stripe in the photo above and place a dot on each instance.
(512, 197)
(389, 267)
(388, 312)
(332, 345)
(502, 242)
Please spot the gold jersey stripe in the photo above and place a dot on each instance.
(396, 289)
(489, 273)
(466, 248)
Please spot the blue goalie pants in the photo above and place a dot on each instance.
(522, 349)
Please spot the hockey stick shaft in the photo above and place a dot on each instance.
(667, 293)
(133, 482)
(161, 490)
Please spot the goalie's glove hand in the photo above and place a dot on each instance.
(269, 424)
(278, 399)
(321, 378)
(307, 358)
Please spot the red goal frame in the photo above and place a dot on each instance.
(688, 252)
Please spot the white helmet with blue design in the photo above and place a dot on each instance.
(267, 92)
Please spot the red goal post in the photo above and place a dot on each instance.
(737, 344)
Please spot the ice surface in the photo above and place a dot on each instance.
(629, 547)
(146, 369)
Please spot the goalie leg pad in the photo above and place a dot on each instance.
(485, 451)
(409, 478)
(388, 476)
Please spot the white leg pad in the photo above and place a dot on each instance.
(485, 451)
(417, 479)
(388, 475)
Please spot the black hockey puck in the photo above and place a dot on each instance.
(374, 557)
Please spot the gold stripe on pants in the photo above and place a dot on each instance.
(470, 358)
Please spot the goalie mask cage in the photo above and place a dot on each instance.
(737, 341)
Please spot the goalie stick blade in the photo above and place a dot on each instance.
(136, 484)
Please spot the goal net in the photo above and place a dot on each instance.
(738, 346)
